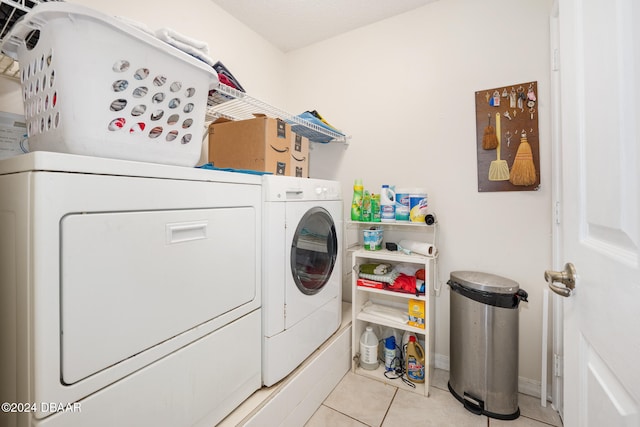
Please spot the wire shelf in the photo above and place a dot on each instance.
(237, 105)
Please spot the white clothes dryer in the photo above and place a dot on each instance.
(302, 270)
(125, 290)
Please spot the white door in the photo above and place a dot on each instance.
(600, 122)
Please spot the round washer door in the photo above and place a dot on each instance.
(313, 251)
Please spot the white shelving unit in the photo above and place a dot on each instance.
(400, 228)
(362, 295)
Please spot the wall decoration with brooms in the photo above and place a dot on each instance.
(507, 138)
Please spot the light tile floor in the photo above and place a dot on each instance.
(358, 401)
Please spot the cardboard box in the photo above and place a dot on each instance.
(299, 162)
(416, 313)
(259, 144)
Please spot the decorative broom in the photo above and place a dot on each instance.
(498, 169)
(523, 170)
(489, 140)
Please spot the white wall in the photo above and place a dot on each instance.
(404, 89)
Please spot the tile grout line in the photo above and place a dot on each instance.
(395, 393)
(546, 423)
(396, 389)
(346, 415)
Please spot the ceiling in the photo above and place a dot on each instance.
(292, 24)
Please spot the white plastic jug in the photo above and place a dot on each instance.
(369, 349)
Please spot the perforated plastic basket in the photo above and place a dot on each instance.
(95, 85)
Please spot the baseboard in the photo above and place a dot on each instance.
(529, 387)
(442, 362)
(525, 385)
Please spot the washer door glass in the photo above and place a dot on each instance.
(313, 251)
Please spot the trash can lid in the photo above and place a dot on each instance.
(485, 282)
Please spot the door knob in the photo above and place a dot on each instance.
(567, 277)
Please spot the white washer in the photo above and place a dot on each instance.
(302, 270)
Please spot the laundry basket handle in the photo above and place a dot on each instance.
(19, 33)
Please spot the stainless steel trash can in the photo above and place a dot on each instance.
(484, 343)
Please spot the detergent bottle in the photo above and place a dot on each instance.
(405, 343)
(375, 207)
(366, 207)
(415, 361)
(356, 204)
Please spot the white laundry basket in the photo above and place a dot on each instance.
(96, 85)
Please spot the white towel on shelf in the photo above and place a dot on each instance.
(193, 47)
(385, 312)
